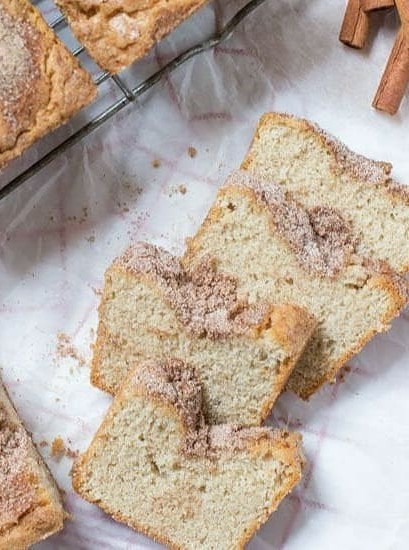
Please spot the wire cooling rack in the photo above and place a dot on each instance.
(127, 94)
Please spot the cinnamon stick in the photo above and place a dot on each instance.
(396, 76)
(355, 26)
(372, 5)
(403, 10)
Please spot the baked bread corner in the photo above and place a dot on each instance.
(42, 85)
(31, 508)
(116, 37)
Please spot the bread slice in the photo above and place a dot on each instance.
(279, 251)
(41, 83)
(30, 504)
(117, 34)
(152, 308)
(156, 466)
(318, 170)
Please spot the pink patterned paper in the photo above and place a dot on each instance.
(135, 179)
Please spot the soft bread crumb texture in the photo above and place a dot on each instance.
(42, 85)
(144, 468)
(242, 374)
(317, 169)
(245, 236)
(30, 504)
(118, 33)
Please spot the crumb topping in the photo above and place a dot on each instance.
(372, 171)
(17, 66)
(320, 237)
(177, 382)
(205, 301)
(173, 379)
(236, 438)
(17, 494)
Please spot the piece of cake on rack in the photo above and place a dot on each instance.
(42, 85)
(117, 34)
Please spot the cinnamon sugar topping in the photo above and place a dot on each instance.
(372, 171)
(17, 494)
(205, 301)
(178, 383)
(17, 69)
(320, 237)
(172, 379)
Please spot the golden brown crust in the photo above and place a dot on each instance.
(116, 37)
(398, 301)
(36, 526)
(53, 88)
(291, 326)
(45, 516)
(285, 446)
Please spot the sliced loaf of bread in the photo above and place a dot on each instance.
(280, 252)
(155, 465)
(30, 504)
(318, 170)
(151, 307)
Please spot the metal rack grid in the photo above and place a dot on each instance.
(128, 94)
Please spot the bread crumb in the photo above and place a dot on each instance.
(175, 189)
(43, 444)
(66, 349)
(192, 152)
(57, 448)
(156, 163)
(70, 453)
(345, 370)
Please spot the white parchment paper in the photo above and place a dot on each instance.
(61, 230)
